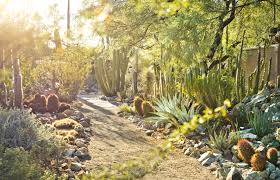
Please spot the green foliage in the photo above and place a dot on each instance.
(245, 150)
(260, 122)
(110, 75)
(126, 108)
(20, 129)
(210, 90)
(18, 164)
(277, 134)
(267, 139)
(172, 110)
(64, 73)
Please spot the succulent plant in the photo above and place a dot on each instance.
(147, 108)
(138, 105)
(258, 162)
(245, 150)
(52, 103)
(272, 155)
(268, 139)
(63, 107)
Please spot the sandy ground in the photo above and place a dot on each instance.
(116, 140)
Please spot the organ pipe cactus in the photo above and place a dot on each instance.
(111, 77)
(18, 91)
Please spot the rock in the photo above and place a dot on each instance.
(61, 116)
(208, 161)
(234, 174)
(82, 153)
(228, 155)
(235, 159)
(242, 165)
(205, 156)
(195, 154)
(252, 175)
(213, 166)
(69, 152)
(188, 151)
(149, 132)
(277, 172)
(80, 143)
(78, 114)
(169, 126)
(85, 124)
(64, 166)
(69, 112)
(75, 166)
(199, 145)
(234, 151)
(272, 176)
(271, 167)
(250, 136)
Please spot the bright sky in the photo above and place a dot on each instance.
(42, 7)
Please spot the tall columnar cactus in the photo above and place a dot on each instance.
(258, 71)
(272, 155)
(18, 91)
(245, 150)
(111, 77)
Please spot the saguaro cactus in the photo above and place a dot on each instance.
(111, 77)
(18, 92)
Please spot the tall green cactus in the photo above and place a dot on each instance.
(18, 91)
(111, 77)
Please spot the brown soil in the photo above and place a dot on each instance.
(116, 140)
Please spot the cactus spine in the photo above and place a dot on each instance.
(258, 162)
(272, 155)
(18, 91)
(245, 150)
(111, 79)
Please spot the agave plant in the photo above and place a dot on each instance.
(172, 110)
(260, 122)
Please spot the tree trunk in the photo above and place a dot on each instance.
(135, 75)
(18, 91)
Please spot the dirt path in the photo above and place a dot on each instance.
(116, 140)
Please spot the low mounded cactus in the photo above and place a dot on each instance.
(258, 162)
(63, 107)
(52, 103)
(245, 150)
(272, 155)
(147, 108)
(138, 105)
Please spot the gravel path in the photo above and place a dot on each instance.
(116, 140)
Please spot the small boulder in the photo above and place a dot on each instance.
(75, 166)
(234, 174)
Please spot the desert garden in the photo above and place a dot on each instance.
(140, 89)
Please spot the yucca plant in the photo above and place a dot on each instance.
(260, 122)
(172, 110)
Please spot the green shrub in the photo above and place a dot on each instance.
(260, 122)
(18, 129)
(210, 90)
(172, 110)
(126, 108)
(17, 164)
